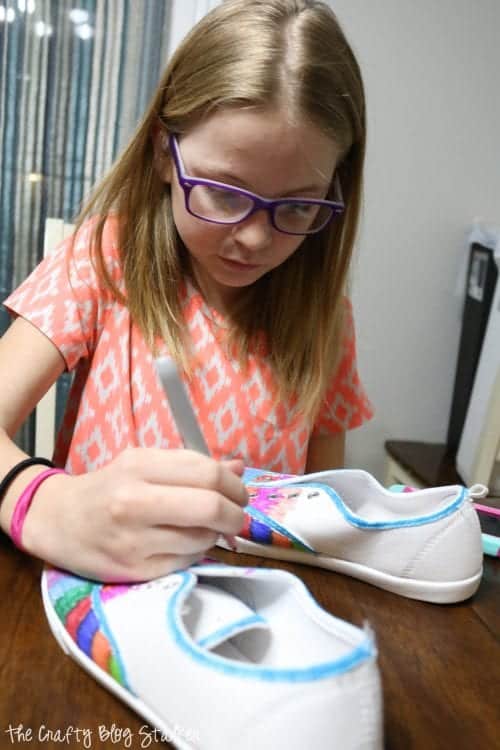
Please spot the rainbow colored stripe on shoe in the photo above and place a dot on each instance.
(77, 603)
(266, 512)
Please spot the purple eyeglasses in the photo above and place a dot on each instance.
(219, 203)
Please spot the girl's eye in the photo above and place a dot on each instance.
(304, 210)
(296, 216)
(217, 203)
(225, 197)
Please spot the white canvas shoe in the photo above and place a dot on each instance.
(424, 544)
(224, 657)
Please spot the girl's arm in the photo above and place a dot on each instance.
(146, 513)
(29, 364)
(326, 452)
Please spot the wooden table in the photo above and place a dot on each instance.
(440, 664)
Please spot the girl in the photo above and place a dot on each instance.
(222, 236)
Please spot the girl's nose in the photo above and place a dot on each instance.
(255, 232)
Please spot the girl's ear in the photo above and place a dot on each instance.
(161, 154)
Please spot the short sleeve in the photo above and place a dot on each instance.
(346, 404)
(63, 298)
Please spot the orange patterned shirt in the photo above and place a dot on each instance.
(116, 399)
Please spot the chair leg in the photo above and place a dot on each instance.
(396, 474)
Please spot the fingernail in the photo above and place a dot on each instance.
(231, 541)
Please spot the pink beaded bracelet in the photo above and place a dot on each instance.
(24, 502)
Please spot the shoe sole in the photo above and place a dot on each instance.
(69, 647)
(440, 592)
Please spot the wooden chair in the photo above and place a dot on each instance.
(56, 230)
(419, 464)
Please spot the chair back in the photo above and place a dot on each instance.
(56, 230)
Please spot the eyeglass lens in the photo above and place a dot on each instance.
(227, 206)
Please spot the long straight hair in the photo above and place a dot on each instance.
(290, 54)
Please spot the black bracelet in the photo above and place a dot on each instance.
(17, 469)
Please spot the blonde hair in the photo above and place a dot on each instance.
(256, 54)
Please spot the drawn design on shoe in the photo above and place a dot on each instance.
(261, 529)
(303, 492)
(78, 604)
(264, 515)
(216, 634)
(256, 476)
(337, 516)
(267, 509)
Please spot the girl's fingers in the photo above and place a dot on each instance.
(209, 510)
(135, 552)
(155, 566)
(153, 505)
(178, 541)
(236, 465)
(183, 468)
(145, 514)
(162, 565)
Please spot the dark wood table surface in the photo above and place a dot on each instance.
(440, 664)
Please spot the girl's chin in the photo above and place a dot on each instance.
(221, 281)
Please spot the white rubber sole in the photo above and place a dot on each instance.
(71, 649)
(437, 592)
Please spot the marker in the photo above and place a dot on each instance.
(183, 413)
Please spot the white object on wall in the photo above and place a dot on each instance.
(478, 451)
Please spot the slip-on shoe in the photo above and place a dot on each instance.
(219, 656)
(424, 544)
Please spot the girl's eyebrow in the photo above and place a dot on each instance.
(231, 179)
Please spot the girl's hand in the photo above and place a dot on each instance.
(145, 514)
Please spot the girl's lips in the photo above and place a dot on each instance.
(237, 265)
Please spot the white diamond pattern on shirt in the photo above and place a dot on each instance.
(94, 452)
(106, 377)
(226, 421)
(341, 411)
(44, 318)
(201, 335)
(118, 425)
(150, 434)
(212, 377)
(256, 392)
(352, 382)
(267, 435)
(299, 439)
(78, 319)
(48, 287)
(87, 412)
(141, 395)
(118, 400)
